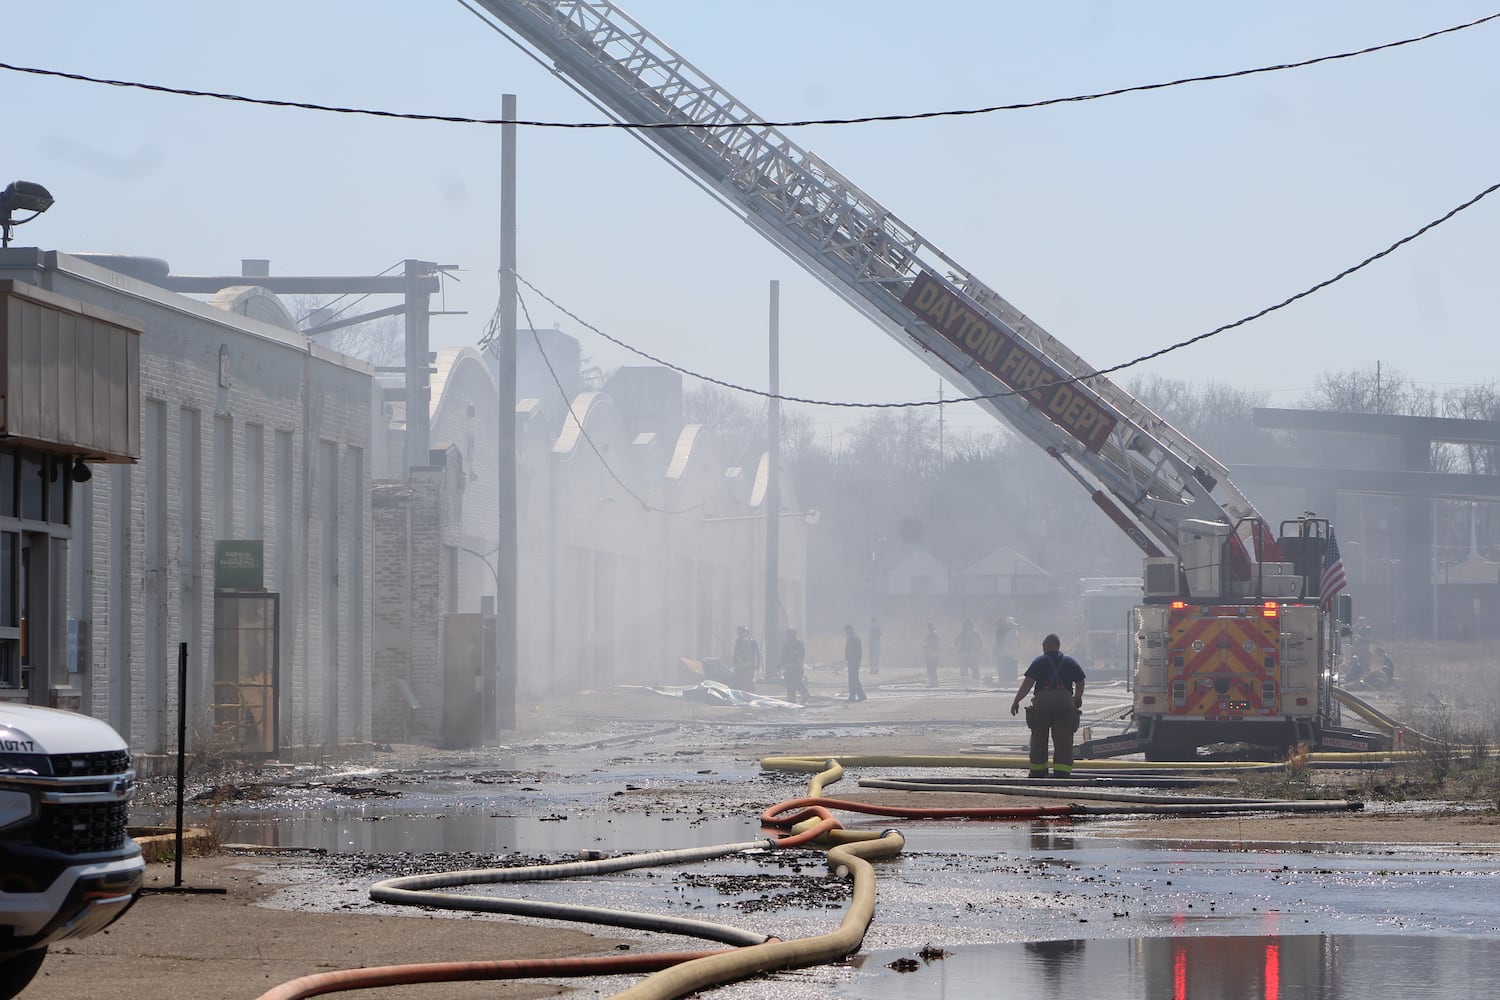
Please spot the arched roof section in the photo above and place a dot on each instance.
(762, 483)
(461, 368)
(586, 406)
(256, 303)
(687, 446)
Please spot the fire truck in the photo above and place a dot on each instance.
(1230, 649)
(1230, 644)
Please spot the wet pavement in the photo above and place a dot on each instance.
(1053, 907)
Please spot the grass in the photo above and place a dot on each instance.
(1449, 693)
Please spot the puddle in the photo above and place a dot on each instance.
(1264, 967)
(483, 832)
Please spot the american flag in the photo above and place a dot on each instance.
(1333, 572)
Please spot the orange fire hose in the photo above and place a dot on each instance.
(462, 972)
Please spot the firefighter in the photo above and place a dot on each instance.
(932, 645)
(970, 644)
(745, 659)
(1054, 710)
(793, 667)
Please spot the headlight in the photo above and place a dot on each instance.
(15, 807)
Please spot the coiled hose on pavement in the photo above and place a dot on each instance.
(802, 821)
(677, 973)
(420, 890)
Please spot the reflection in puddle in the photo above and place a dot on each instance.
(1269, 967)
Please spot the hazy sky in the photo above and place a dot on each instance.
(1121, 224)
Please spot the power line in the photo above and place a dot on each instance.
(1319, 286)
(790, 123)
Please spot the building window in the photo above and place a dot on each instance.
(255, 481)
(33, 487)
(10, 550)
(9, 463)
(281, 520)
(223, 477)
(59, 489)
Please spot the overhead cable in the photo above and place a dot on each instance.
(1084, 377)
(789, 123)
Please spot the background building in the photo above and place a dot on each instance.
(328, 593)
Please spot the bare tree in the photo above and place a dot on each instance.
(1371, 390)
(380, 342)
(1217, 416)
(738, 420)
(1476, 402)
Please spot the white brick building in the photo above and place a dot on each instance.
(248, 432)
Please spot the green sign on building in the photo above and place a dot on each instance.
(240, 564)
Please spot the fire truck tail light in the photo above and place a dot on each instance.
(1301, 702)
(1179, 693)
(1148, 699)
(1270, 610)
(1178, 605)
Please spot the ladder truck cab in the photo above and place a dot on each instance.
(1232, 645)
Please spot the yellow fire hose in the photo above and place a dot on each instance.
(816, 764)
(713, 970)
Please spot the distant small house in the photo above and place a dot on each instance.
(1003, 571)
(908, 570)
(1474, 570)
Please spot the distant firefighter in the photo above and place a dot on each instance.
(794, 667)
(745, 659)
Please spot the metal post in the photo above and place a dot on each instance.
(418, 388)
(773, 486)
(182, 697)
(177, 886)
(506, 554)
(489, 696)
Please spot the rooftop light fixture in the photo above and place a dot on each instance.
(21, 196)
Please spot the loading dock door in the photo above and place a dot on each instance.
(247, 662)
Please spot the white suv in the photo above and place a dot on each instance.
(67, 866)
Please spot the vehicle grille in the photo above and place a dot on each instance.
(70, 765)
(83, 829)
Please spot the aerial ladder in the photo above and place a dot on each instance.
(1146, 475)
(1203, 539)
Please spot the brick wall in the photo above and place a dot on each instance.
(406, 600)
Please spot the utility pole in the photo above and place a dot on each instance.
(773, 484)
(940, 422)
(506, 585)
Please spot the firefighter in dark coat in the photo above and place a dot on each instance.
(1055, 708)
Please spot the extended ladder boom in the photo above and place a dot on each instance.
(1107, 439)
